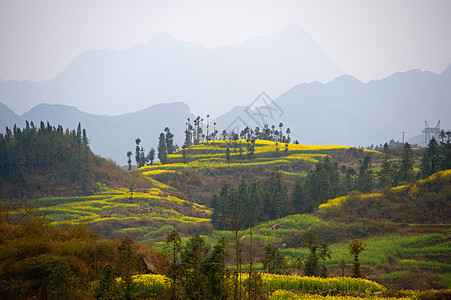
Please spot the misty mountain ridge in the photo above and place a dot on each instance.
(344, 111)
(112, 136)
(166, 69)
(347, 111)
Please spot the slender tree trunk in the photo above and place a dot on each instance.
(251, 258)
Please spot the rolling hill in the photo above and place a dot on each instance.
(390, 220)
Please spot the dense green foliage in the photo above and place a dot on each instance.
(426, 202)
(162, 149)
(436, 157)
(45, 150)
(355, 247)
(49, 161)
(257, 213)
(196, 271)
(259, 201)
(273, 260)
(37, 259)
(321, 184)
(315, 263)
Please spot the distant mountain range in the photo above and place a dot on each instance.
(344, 111)
(111, 137)
(166, 69)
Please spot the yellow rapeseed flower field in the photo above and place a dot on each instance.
(287, 295)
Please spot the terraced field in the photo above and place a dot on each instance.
(149, 216)
(145, 216)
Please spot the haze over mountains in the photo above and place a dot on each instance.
(344, 111)
(161, 84)
(166, 70)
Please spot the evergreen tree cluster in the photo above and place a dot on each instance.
(437, 156)
(165, 146)
(269, 133)
(327, 181)
(315, 263)
(393, 173)
(196, 270)
(45, 150)
(273, 260)
(194, 133)
(269, 199)
(258, 201)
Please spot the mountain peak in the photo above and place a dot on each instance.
(163, 37)
(46, 106)
(291, 32)
(293, 28)
(345, 79)
(171, 69)
(49, 109)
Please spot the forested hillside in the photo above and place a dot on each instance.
(51, 161)
(221, 217)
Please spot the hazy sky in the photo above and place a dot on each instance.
(367, 39)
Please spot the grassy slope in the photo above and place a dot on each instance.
(149, 216)
(206, 169)
(425, 235)
(119, 212)
(156, 207)
(396, 250)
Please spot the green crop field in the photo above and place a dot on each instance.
(150, 216)
(157, 210)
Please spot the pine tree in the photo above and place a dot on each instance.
(324, 254)
(173, 248)
(162, 151)
(17, 170)
(298, 199)
(365, 178)
(215, 272)
(142, 158)
(169, 139)
(138, 152)
(311, 264)
(129, 160)
(387, 171)
(430, 163)
(79, 132)
(188, 135)
(193, 256)
(273, 260)
(278, 194)
(151, 156)
(355, 248)
(406, 168)
(445, 151)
